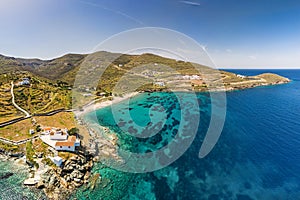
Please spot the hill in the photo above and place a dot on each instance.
(142, 71)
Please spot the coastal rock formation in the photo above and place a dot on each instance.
(103, 144)
(11, 153)
(5, 176)
(59, 183)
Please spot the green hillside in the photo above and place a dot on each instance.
(105, 73)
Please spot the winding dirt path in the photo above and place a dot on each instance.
(14, 103)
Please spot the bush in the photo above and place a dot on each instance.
(73, 131)
(38, 128)
(29, 154)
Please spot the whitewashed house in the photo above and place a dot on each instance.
(194, 77)
(46, 130)
(59, 139)
(25, 81)
(57, 160)
(65, 146)
(75, 140)
(58, 135)
(160, 84)
(186, 77)
(240, 76)
(87, 94)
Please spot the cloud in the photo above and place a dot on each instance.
(191, 3)
(228, 50)
(252, 57)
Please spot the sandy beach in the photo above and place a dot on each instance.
(94, 106)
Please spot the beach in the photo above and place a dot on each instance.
(95, 106)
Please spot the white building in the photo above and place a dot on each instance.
(195, 77)
(191, 77)
(240, 76)
(186, 77)
(65, 146)
(75, 140)
(87, 94)
(58, 134)
(161, 84)
(31, 131)
(56, 160)
(59, 139)
(25, 81)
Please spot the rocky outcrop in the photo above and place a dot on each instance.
(103, 144)
(6, 176)
(59, 183)
(11, 153)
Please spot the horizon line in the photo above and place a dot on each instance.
(87, 53)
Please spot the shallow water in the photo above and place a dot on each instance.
(256, 157)
(12, 188)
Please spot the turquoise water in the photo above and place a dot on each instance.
(12, 188)
(256, 157)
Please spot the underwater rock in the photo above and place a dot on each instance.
(6, 176)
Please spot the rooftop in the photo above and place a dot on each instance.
(72, 138)
(65, 143)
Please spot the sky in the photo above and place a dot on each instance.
(235, 33)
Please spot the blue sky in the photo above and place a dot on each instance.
(236, 33)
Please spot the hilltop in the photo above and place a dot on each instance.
(65, 67)
(120, 73)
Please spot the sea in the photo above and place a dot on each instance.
(257, 155)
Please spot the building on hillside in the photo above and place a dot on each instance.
(75, 140)
(186, 77)
(25, 81)
(59, 139)
(87, 94)
(31, 131)
(240, 76)
(159, 84)
(56, 160)
(58, 134)
(46, 130)
(195, 77)
(65, 146)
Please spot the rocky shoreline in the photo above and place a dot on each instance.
(60, 183)
(11, 154)
(57, 182)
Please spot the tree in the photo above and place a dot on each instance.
(38, 128)
(73, 131)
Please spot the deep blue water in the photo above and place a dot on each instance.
(256, 157)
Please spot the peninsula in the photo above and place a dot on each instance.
(37, 106)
